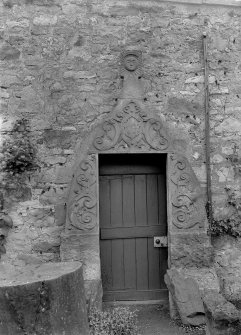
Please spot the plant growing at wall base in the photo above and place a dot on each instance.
(116, 321)
(231, 223)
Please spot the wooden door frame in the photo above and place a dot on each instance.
(167, 204)
(168, 209)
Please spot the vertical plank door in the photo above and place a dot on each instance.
(132, 211)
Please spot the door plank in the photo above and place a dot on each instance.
(129, 220)
(128, 201)
(163, 266)
(140, 201)
(136, 295)
(141, 264)
(162, 208)
(118, 275)
(116, 202)
(152, 200)
(130, 263)
(129, 232)
(106, 264)
(154, 265)
(128, 169)
(105, 202)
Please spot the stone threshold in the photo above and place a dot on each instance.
(232, 3)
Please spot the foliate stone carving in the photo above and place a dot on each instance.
(187, 203)
(155, 136)
(185, 212)
(86, 176)
(131, 128)
(83, 212)
(107, 136)
(83, 205)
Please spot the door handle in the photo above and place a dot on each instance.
(160, 241)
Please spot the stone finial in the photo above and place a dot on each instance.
(131, 76)
(131, 61)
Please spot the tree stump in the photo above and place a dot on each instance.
(45, 299)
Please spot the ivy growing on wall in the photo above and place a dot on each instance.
(18, 153)
(231, 224)
(235, 160)
(18, 160)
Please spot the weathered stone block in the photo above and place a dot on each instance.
(58, 138)
(4, 94)
(94, 293)
(56, 174)
(54, 195)
(191, 250)
(60, 214)
(187, 298)
(222, 317)
(228, 267)
(7, 52)
(124, 11)
(45, 20)
(84, 248)
(206, 278)
(47, 299)
(7, 80)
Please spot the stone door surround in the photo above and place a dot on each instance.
(133, 127)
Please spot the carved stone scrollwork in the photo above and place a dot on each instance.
(187, 203)
(83, 213)
(83, 207)
(185, 212)
(107, 136)
(86, 176)
(131, 128)
(154, 136)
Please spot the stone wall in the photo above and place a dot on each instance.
(59, 70)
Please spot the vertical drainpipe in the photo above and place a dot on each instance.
(207, 130)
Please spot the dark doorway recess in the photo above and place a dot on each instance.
(133, 209)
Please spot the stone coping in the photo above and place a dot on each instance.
(234, 3)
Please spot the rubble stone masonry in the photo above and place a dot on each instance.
(59, 69)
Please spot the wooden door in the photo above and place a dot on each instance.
(132, 212)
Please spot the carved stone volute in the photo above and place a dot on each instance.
(188, 210)
(82, 209)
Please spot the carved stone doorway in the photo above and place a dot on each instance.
(134, 128)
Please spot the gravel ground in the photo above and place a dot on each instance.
(155, 320)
